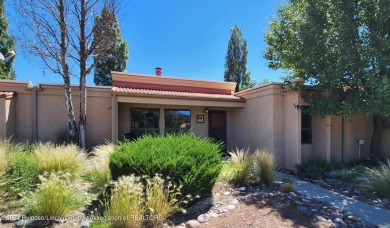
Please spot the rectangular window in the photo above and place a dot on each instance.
(177, 120)
(144, 121)
(306, 131)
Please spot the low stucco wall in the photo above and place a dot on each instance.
(49, 105)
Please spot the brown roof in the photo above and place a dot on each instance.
(152, 92)
(7, 94)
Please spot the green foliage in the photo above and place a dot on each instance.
(189, 160)
(241, 162)
(62, 158)
(348, 175)
(126, 201)
(264, 165)
(163, 198)
(236, 58)
(7, 44)
(314, 169)
(98, 170)
(340, 47)
(23, 170)
(115, 59)
(379, 179)
(288, 185)
(54, 196)
(3, 167)
(244, 167)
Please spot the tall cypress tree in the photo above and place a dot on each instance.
(236, 57)
(7, 44)
(115, 59)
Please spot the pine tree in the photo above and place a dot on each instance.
(114, 59)
(236, 57)
(7, 45)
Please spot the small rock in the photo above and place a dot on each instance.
(242, 189)
(10, 218)
(297, 202)
(180, 226)
(379, 205)
(302, 208)
(338, 220)
(227, 193)
(231, 206)
(357, 192)
(256, 194)
(213, 214)
(235, 202)
(203, 218)
(192, 224)
(353, 218)
(223, 210)
(320, 218)
(85, 224)
(314, 210)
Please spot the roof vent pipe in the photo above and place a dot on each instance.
(158, 71)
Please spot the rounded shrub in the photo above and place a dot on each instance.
(188, 160)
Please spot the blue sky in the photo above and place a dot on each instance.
(186, 38)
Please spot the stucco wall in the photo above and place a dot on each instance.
(292, 131)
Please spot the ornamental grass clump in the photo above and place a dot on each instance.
(163, 198)
(54, 196)
(23, 171)
(241, 162)
(98, 171)
(264, 165)
(3, 167)
(61, 158)
(125, 207)
(379, 179)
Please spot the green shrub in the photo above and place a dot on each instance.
(98, 170)
(288, 185)
(379, 179)
(23, 171)
(314, 169)
(162, 199)
(347, 175)
(126, 201)
(264, 165)
(61, 158)
(189, 160)
(54, 196)
(241, 165)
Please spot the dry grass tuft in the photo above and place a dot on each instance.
(61, 158)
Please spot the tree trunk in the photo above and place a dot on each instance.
(376, 140)
(68, 92)
(69, 109)
(83, 74)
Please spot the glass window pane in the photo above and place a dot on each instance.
(177, 120)
(144, 121)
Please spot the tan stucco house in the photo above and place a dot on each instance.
(262, 117)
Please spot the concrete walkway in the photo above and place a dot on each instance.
(370, 213)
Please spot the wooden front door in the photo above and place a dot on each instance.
(217, 127)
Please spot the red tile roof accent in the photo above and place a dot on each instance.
(175, 94)
(7, 95)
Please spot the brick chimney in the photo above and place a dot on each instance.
(158, 71)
